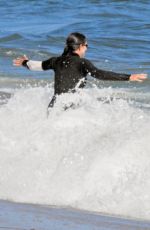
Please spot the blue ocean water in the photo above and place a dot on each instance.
(117, 31)
(98, 154)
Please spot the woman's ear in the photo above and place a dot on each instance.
(80, 46)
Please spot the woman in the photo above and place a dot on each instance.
(71, 68)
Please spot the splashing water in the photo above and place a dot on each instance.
(94, 156)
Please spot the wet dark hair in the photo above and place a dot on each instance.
(73, 41)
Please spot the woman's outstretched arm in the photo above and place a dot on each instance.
(34, 65)
(89, 68)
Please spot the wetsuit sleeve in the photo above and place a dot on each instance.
(40, 65)
(33, 65)
(49, 64)
(90, 69)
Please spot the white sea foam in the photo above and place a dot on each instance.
(94, 156)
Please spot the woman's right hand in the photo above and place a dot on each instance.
(18, 61)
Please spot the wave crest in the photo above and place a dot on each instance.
(94, 157)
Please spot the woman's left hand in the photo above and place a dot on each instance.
(138, 77)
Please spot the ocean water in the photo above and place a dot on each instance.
(96, 156)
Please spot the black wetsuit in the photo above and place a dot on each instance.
(71, 71)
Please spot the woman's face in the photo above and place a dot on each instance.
(83, 49)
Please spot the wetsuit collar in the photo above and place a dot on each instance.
(75, 54)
